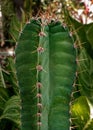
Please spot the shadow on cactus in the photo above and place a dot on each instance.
(46, 66)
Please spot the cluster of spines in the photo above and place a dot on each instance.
(39, 68)
(39, 105)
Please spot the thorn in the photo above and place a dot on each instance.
(39, 105)
(32, 69)
(82, 71)
(75, 45)
(77, 60)
(74, 118)
(79, 45)
(74, 85)
(64, 25)
(42, 34)
(73, 127)
(27, 22)
(39, 85)
(70, 112)
(70, 105)
(33, 52)
(77, 85)
(76, 30)
(39, 114)
(43, 24)
(34, 88)
(39, 123)
(83, 43)
(39, 95)
(70, 120)
(40, 49)
(72, 96)
(76, 74)
(74, 93)
(71, 102)
(71, 34)
(39, 67)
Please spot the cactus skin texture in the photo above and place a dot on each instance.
(45, 64)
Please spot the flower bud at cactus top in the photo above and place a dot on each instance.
(46, 105)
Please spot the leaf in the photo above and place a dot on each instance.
(9, 74)
(2, 81)
(89, 34)
(3, 98)
(12, 75)
(15, 28)
(82, 34)
(12, 110)
(85, 67)
(89, 125)
(80, 113)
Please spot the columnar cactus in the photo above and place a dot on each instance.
(45, 64)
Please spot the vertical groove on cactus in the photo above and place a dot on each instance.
(45, 64)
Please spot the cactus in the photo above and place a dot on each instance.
(45, 64)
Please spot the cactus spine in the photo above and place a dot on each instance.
(45, 64)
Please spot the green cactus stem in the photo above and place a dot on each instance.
(45, 64)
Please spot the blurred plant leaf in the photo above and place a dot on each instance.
(89, 125)
(28, 8)
(80, 113)
(7, 15)
(12, 110)
(2, 82)
(81, 30)
(81, 33)
(85, 67)
(3, 98)
(13, 75)
(15, 28)
(89, 34)
(10, 77)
